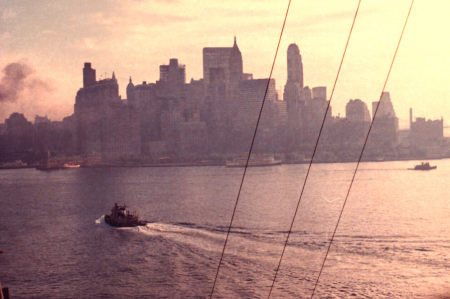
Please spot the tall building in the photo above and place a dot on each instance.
(425, 132)
(383, 138)
(172, 78)
(88, 75)
(222, 64)
(356, 111)
(294, 96)
(319, 92)
(294, 84)
(173, 72)
(17, 142)
(386, 109)
(294, 65)
(104, 124)
(222, 74)
(130, 91)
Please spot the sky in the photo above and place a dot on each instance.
(43, 45)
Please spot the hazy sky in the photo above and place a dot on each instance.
(52, 39)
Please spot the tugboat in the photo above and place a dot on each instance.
(121, 217)
(424, 166)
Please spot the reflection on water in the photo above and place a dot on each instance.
(393, 241)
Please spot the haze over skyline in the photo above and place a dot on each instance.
(52, 40)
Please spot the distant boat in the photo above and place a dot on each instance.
(69, 165)
(121, 217)
(55, 165)
(263, 161)
(424, 166)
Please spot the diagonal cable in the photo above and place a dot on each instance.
(362, 151)
(314, 152)
(249, 152)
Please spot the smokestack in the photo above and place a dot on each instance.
(410, 118)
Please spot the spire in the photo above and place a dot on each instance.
(130, 84)
(130, 91)
(113, 76)
(235, 46)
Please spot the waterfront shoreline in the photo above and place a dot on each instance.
(202, 164)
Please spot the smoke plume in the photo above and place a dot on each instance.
(18, 78)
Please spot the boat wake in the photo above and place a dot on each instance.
(100, 220)
(251, 255)
(264, 245)
(186, 234)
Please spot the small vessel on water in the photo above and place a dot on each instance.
(49, 163)
(424, 166)
(71, 165)
(56, 165)
(121, 217)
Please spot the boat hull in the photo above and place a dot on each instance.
(125, 223)
(424, 168)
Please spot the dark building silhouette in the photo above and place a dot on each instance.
(305, 107)
(88, 75)
(130, 91)
(173, 72)
(385, 109)
(356, 111)
(294, 84)
(383, 138)
(356, 124)
(233, 101)
(222, 65)
(222, 74)
(213, 118)
(18, 140)
(172, 78)
(104, 124)
(426, 136)
(53, 137)
(295, 97)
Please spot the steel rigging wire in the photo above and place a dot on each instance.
(314, 151)
(362, 150)
(312, 158)
(249, 153)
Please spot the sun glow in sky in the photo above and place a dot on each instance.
(133, 37)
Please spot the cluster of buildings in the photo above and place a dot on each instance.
(215, 118)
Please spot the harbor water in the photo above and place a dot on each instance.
(393, 240)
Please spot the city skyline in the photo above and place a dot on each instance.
(318, 29)
(212, 118)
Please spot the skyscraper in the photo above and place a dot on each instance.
(294, 84)
(385, 125)
(88, 75)
(222, 65)
(294, 65)
(386, 108)
(357, 111)
(295, 96)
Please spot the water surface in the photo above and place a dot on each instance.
(393, 241)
